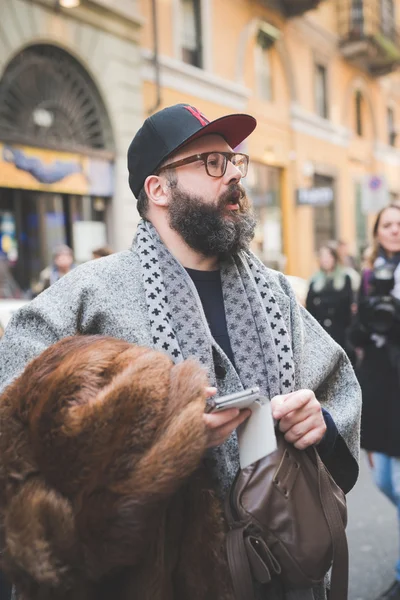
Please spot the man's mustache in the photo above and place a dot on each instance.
(235, 194)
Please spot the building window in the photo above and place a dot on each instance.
(321, 95)
(324, 215)
(263, 185)
(263, 67)
(388, 18)
(68, 113)
(191, 35)
(263, 73)
(361, 220)
(391, 128)
(359, 101)
(357, 17)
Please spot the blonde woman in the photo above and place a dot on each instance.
(377, 332)
(330, 297)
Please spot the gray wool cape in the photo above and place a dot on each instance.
(107, 297)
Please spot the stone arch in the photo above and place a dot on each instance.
(43, 76)
(248, 32)
(359, 84)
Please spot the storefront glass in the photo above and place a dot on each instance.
(263, 184)
(41, 221)
(56, 161)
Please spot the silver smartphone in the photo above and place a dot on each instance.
(240, 400)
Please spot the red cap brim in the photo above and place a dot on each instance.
(233, 128)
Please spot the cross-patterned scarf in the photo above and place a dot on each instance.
(260, 341)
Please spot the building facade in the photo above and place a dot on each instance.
(320, 77)
(70, 100)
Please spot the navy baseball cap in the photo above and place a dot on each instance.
(171, 128)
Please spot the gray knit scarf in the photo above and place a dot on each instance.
(260, 341)
(259, 338)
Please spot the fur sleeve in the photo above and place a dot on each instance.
(98, 436)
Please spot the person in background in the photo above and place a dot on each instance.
(102, 251)
(375, 333)
(348, 263)
(367, 257)
(9, 289)
(8, 286)
(330, 296)
(345, 258)
(63, 263)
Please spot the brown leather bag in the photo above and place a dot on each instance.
(287, 518)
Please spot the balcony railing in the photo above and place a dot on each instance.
(294, 8)
(368, 36)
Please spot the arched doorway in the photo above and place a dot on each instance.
(56, 160)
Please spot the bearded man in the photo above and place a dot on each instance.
(190, 287)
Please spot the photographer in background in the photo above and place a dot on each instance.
(330, 296)
(376, 331)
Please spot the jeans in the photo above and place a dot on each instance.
(386, 474)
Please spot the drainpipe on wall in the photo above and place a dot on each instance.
(156, 61)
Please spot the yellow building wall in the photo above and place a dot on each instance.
(289, 134)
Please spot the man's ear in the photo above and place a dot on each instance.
(156, 188)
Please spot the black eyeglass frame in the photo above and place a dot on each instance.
(203, 157)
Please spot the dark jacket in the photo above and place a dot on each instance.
(378, 375)
(331, 307)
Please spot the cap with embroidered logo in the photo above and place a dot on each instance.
(169, 129)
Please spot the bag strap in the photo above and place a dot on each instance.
(238, 561)
(340, 564)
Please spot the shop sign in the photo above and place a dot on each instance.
(28, 168)
(317, 196)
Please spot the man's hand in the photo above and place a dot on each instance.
(220, 425)
(300, 418)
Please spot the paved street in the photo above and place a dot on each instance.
(372, 534)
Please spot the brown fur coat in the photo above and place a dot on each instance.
(102, 491)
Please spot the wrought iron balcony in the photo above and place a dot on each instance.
(292, 8)
(368, 36)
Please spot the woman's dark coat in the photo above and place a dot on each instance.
(331, 307)
(379, 376)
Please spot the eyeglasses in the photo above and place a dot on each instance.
(214, 162)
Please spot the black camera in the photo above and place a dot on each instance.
(379, 310)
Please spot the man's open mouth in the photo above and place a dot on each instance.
(233, 201)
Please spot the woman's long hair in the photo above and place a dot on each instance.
(375, 243)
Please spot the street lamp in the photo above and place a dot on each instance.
(69, 3)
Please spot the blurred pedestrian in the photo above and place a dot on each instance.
(330, 296)
(63, 263)
(347, 261)
(376, 331)
(9, 288)
(102, 251)
(367, 258)
(345, 258)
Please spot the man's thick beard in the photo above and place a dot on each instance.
(212, 229)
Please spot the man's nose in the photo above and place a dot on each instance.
(232, 173)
